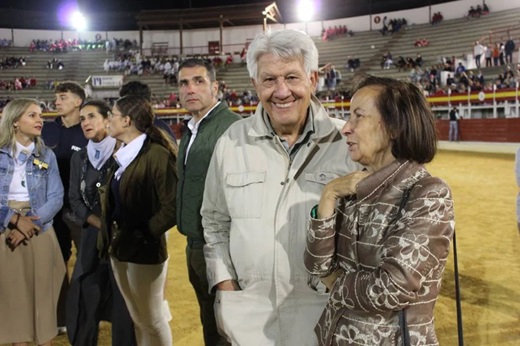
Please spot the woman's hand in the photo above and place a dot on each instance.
(338, 188)
(25, 230)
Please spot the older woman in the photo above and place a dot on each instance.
(380, 238)
(31, 267)
(138, 206)
(93, 293)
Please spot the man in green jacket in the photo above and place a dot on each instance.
(198, 89)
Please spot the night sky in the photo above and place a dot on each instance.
(326, 9)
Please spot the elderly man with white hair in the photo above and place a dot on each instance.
(266, 173)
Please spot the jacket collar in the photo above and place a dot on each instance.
(216, 109)
(400, 174)
(323, 126)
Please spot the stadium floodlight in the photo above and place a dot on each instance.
(78, 21)
(306, 10)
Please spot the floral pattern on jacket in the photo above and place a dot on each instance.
(392, 252)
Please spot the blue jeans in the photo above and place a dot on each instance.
(454, 131)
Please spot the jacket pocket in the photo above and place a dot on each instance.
(322, 178)
(229, 308)
(245, 194)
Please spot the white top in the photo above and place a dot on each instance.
(18, 189)
(193, 125)
(126, 154)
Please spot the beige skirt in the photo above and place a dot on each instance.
(30, 281)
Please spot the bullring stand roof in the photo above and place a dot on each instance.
(209, 17)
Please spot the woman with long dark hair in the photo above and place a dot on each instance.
(138, 205)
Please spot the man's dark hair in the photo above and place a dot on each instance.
(199, 62)
(136, 88)
(73, 87)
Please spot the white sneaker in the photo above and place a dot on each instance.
(62, 330)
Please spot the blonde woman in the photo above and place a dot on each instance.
(31, 267)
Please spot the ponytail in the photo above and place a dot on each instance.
(162, 138)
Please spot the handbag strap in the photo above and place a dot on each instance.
(405, 333)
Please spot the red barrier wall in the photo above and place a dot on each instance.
(483, 130)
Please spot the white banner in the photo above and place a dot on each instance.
(113, 81)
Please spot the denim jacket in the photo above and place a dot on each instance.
(43, 182)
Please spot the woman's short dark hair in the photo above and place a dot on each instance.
(101, 106)
(407, 116)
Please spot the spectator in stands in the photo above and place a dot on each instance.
(460, 70)
(139, 89)
(454, 125)
(401, 63)
(489, 55)
(450, 81)
(437, 18)
(485, 9)
(480, 78)
(509, 49)
(472, 13)
(496, 54)
(229, 59)
(478, 50)
(243, 55)
(502, 52)
(352, 63)
(418, 60)
(422, 42)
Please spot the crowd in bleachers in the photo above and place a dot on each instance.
(353, 63)
(393, 25)
(4, 42)
(17, 83)
(421, 42)
(478, 11)
(332, 32)
(55, 64)
(437, 18)
(63, 46)
(12, 62)
(461, 80)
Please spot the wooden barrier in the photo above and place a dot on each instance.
(483, 130)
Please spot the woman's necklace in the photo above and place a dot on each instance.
(20, 162)
(22, 177)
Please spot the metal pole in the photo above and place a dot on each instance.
(460, 330)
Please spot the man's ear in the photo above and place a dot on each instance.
(78, 101)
